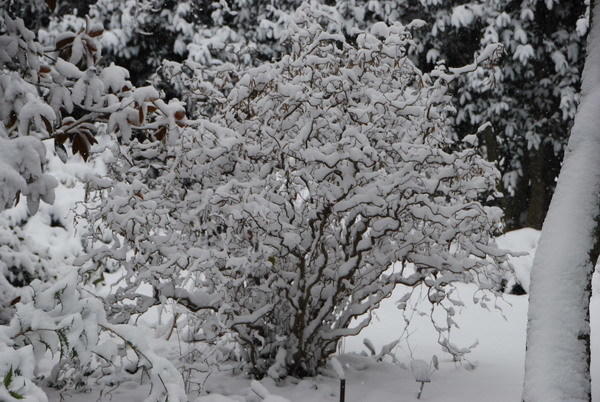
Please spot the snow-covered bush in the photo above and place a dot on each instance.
(542, 64)
(279, 220)
(346, 167)
(56, 95)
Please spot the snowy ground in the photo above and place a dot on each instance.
(494, 370)
(497, 361)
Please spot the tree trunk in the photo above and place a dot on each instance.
(557, 361)
(537, 194)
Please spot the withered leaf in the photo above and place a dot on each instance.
(96, 32)
(64, 42)
(48, 125)
(161, 133)
(80, 145)
(90, 138)
(61, 138)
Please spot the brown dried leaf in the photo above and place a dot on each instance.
(96, 33)
(90, 138)
(61, 138)
(48, 125)
(61, 44)
(81, 146)
(161, 133)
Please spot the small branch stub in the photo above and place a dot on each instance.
(421, 390)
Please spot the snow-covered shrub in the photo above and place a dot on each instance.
(542, 64)
(279, 220)
(344, 166)
(56, 95)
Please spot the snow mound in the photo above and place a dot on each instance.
(521, 240)
(214, 398)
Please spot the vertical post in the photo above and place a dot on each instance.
(342, 390)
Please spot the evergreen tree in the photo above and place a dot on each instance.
(530, 97)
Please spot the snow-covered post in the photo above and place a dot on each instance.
(422, 372)
(339, 370)
(557, 362)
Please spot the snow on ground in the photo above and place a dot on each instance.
(497, 360)
(494, 371)
(521, 240)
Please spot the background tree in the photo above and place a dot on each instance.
(531, 96)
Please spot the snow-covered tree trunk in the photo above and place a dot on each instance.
(557, 362)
